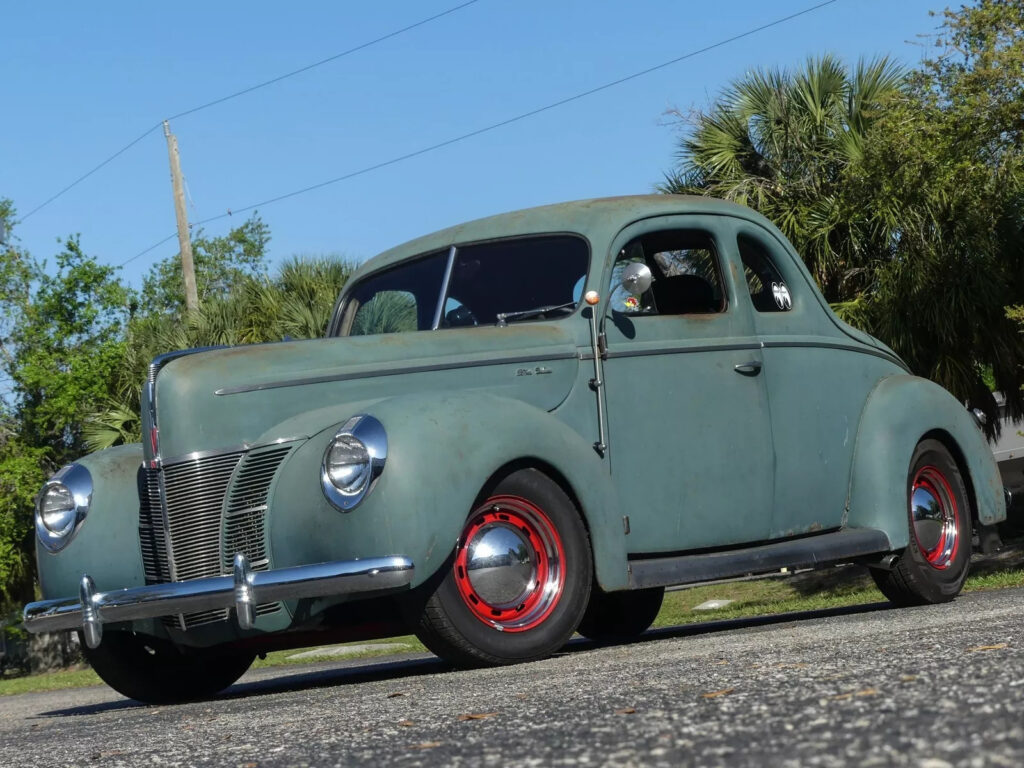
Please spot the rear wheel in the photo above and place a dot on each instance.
(519, 581)
(157, 672)
(933, 567)
(620, 615)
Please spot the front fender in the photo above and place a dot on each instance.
(899, 412)
(107, 545)
(442, 449)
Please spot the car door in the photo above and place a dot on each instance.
(818, 380)
(688, 426)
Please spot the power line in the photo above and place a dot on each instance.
(85, 176)
(244, 91)
(495, 126)
(329, 59)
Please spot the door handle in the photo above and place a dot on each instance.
(751, 368)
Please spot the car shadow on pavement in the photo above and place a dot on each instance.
(725, 625)
(321, 676)
(410, 666)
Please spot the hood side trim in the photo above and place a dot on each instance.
(394, 372)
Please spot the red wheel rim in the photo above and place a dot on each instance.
(509, 565)
(935, 517)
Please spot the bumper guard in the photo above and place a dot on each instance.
(243, 591)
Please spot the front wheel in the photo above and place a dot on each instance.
(933, 567)
(156, 672)
(519, 580)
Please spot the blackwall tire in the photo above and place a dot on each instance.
(933, 567)
(154, 671)
(519, 581)
(616, 616)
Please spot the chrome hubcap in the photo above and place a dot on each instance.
(934, 514)
(500, 566)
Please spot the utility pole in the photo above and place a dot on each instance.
(184, 241)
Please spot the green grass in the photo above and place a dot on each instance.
(822, 590)
(813, 592)
(282, 658)
(49, 681)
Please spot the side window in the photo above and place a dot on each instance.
(768, 291)
(687, 276)
(386, 312)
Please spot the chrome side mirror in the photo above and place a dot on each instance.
(637, 278)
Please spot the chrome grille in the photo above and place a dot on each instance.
(215, 506)
(152, 535)
(194, 491)
(246, 508)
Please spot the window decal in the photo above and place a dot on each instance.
(782, 297)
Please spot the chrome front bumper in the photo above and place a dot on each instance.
(243, 591)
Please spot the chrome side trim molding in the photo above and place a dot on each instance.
(864, 349)
(396, 372)
(90, 610)
(676, 349)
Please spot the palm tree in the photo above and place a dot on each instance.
(781, 142)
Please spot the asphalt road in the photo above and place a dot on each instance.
(926, 687)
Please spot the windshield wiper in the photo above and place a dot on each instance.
(504, 317)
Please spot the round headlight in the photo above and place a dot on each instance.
(353, 460)
(347, 463)
(62, 505)
(57, 508)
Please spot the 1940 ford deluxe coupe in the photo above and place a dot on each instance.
(514, 429)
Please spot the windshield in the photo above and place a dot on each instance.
(488, 280)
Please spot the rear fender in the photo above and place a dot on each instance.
(900, 411)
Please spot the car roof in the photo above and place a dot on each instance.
(594, 218)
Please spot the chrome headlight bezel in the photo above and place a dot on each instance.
(360, 432)
(76, 481)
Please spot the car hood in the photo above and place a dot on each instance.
(233, 397)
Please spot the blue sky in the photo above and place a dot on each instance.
(81, 80)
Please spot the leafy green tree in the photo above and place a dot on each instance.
(951, 150)
(21, 475)
(61, 340)
(220, 264)
(68, 344)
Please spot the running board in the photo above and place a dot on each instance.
(807, 552)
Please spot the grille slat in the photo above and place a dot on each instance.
(215, 507)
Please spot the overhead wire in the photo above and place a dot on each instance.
(244, 91)
(494, 126)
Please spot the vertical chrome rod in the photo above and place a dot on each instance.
(444, 289)
(597, 384)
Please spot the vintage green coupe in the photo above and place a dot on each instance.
(514, 429)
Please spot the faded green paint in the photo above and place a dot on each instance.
(899, 412)
(698, 455)
(681, 418)
(107, 545)
(437, 465)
